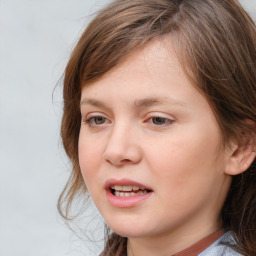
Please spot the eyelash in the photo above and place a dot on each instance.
(91, 120)
(166, 120)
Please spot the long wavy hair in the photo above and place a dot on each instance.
(216, 44)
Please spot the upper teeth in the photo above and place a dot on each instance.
(127, 188)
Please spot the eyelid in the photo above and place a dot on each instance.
(93, 114)
(159, 114)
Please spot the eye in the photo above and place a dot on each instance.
(158, 120)
(95, 120)
(98, 120)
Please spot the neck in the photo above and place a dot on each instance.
(166, 244)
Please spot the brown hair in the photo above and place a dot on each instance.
(216, 44)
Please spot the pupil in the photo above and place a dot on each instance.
(99, 120)
(158, 120)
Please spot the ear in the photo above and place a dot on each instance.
(240, 157)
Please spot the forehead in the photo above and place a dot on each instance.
(157, 56)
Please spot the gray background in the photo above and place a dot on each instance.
(36, 38)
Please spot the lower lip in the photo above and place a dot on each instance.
(125, 202)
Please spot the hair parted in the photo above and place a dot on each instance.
(215, 41)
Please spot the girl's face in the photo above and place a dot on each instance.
(150, 148)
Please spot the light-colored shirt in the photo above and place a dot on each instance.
(219, 249)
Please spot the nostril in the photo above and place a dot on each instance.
(126, 160)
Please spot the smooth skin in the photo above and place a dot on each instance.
(145, 121)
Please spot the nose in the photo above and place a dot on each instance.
(122, 147)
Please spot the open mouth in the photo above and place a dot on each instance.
(127, 191)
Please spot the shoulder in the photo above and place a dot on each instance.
(221, 248)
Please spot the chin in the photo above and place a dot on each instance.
(129, 223)
(129, 233)
(129, 229)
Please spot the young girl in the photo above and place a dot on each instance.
(159, 123)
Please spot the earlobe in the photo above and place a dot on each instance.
(240, 159)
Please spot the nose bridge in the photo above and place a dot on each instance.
(122, 146)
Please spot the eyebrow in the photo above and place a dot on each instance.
(140, 103)
(92, 102)
(156, 101)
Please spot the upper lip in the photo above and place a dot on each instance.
(124, 182)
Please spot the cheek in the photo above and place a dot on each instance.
(186, 157)
(185, 173)
(89, 159)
